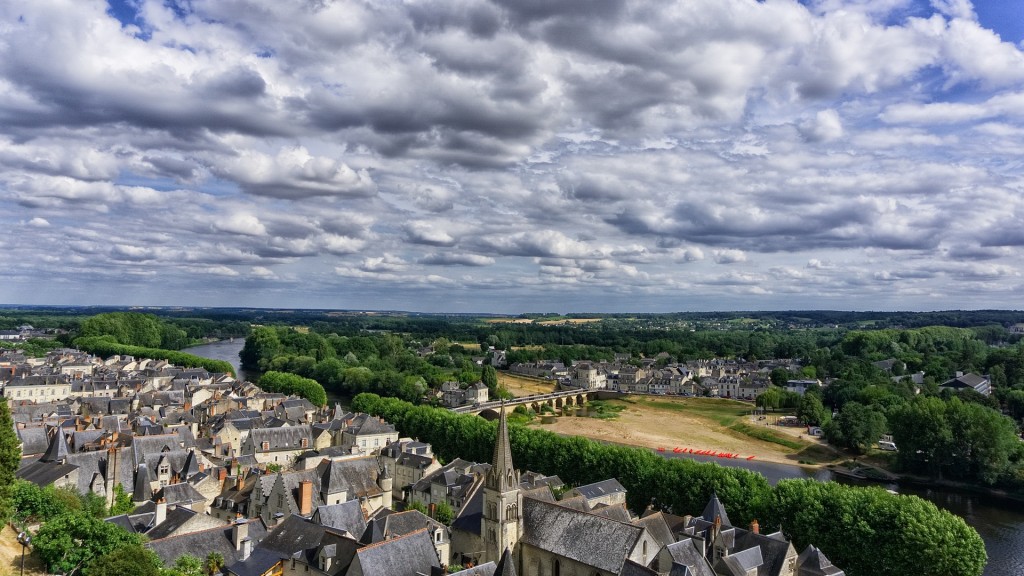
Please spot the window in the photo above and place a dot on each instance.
(266, 446)
(556, 567)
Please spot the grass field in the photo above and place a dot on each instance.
(699, 423)
(524, 385)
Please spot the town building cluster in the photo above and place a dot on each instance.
(725, 378)
(280, 487)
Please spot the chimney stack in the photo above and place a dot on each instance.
(755, 527)
(239, 532)
(222, 474)
(246, 549)
(305, 498)
(161, 512)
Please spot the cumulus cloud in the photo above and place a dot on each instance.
(624, 151)
(825, 127)
(729, 256)
(295, 174)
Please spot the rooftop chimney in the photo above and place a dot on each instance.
(239, 532)
(755, 527)
(161, 512)
(305, 498)
(246, 549)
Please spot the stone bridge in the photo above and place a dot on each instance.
(556, 400)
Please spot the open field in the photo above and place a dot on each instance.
(524, 385)
(699, 423)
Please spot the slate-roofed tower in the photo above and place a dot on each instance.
(502, 523)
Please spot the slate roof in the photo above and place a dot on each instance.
(402, 523)
(176, 518)
(34, 440)
(585, 538)
(600, 489)
(205, 541)
(657, 526)
(472, 512)
(357, 476)
(347, 516)
(144, 447)
(281, 438)
(740, 563)
(687, 556)
(44, 473)
(180, 494)
(408, 555)
(616, 512)
(812, 562)
(715, 509)
(773, 548)
(365, 424)
(57, 450)
(630, 568)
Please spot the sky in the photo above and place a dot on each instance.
(513, 155)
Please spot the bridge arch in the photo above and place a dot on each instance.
(489, 414)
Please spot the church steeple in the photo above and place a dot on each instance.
(502, 476)
(501, 525)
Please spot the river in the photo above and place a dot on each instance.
(1000, 523)
(226, 350)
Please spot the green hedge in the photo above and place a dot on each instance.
(865, 531)
(106, 347)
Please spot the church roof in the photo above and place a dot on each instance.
(580, 536)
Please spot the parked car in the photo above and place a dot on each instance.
(887, 446)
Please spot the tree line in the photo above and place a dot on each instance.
(865, 531)
(347, 365)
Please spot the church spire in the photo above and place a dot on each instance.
(503, 476)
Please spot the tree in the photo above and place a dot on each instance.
(770, 398)
(214, 563)
(489, 377)
(189, 565)
(811, 412)
(857, 427)
(71, 540)
(126, 560)
(10, 458)
(779, 376)
(443, 513)
(122, 502)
